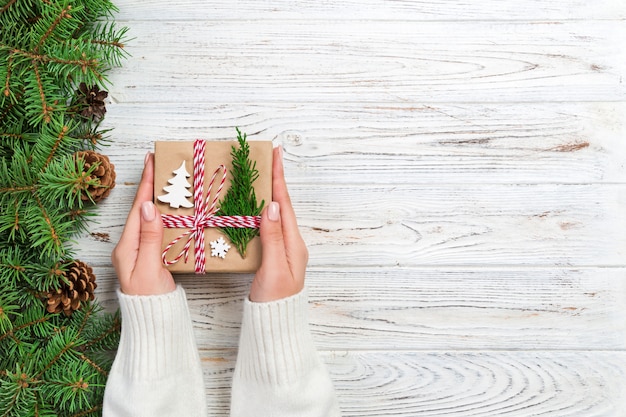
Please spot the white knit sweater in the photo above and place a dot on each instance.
(157, 370)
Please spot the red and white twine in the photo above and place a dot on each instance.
(204, 215)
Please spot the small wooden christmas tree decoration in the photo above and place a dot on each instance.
(177, 191)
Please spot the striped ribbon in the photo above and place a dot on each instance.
(204, 214)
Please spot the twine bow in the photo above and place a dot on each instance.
(204, 214)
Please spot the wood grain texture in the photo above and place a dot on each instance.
(399, 144)
(372, 62)
(460, 384)
(482, 384)
(348, 10)
(427, 309)
(446, 225)
(459, 174)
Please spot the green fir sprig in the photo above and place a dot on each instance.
(240, 199)
(50, 364)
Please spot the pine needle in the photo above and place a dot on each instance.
(240, 199)
(50, 364)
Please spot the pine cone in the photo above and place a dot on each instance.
(92, 101)
(104, 173)
(77, 286)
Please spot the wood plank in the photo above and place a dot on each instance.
(463, 225)
(398, 144)
(372, 62)
(458, 384)
(436, 225)
(481, 384)
(458, 170)
(493, 10)
(425, 308)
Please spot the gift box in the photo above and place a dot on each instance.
(191, 180)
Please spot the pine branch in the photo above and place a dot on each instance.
(83, 64)
(8, 135)
(8, 309)
(13, 272)
(12, 399)
(93, 364)
(66, 181)
(18, 189)
(52, 233)
(56, 145)
(116, 44)
(7, 89)
(111, 42)
(69, 387)
(11, 332)
(87, 312)
(50, 364)
(46, 110)
(11, 107)
(240, 199)
(88, 412)
(113, 329)
(58, 356)
(7, 6)
(65, 14)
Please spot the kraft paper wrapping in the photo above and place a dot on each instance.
(168, 157)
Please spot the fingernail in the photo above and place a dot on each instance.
(145, 160)
(280, 153)
(147, 211)
(273, 211)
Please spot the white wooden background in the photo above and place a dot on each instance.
(458, 169)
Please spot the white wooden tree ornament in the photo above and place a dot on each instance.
(177, 192)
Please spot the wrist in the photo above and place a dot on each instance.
(160, 283)
(264, 290)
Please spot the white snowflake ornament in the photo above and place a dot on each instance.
(219, 248)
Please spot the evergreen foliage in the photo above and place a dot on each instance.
(50, 364)
(240, 199)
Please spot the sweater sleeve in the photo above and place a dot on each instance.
(157, 369)
(278, 371)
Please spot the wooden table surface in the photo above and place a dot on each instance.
(458, 170)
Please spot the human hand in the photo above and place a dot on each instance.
(137, 256)
(285, 255)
